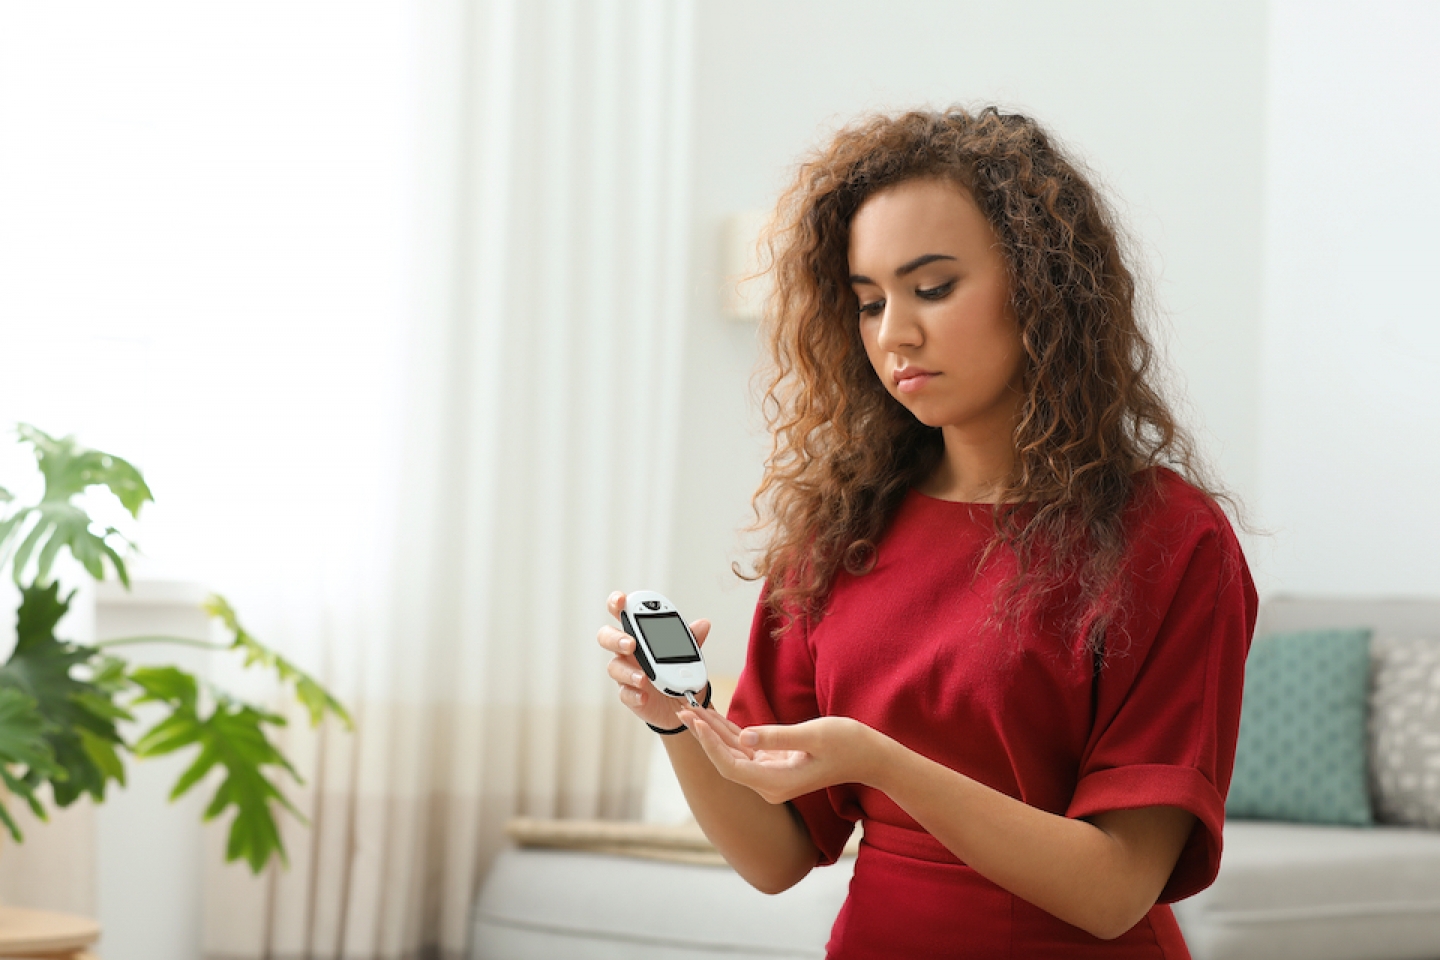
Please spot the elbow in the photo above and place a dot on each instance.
(779, 869)
(773, 878)
(773, 882)
(1113, 920)
(1107, 931)
(772, 885)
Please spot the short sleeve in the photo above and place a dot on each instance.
(1168, 693)
(777, 685)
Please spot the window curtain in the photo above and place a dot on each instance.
(533, 473)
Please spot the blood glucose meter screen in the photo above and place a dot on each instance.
(668, 638)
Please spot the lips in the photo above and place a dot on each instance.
(911, 379)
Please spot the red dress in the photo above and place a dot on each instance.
(905, 649)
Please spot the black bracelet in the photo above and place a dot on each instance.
(682, 728)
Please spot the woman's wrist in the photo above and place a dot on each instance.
(679, 727)
(874, 754)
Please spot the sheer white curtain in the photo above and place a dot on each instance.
(535, 474)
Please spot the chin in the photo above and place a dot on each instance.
(928, 417)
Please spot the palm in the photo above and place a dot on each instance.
(780, 759)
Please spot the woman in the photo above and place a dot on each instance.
(1005, 621)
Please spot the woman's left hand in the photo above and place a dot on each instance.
(783, 762)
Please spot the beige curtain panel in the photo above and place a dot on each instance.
(548, 344)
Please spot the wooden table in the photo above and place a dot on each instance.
(45, 934)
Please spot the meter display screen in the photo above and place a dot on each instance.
(667, 637)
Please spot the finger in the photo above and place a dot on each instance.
(615, 640)
(728, 732)
(615, 603)
(624, 672)
(775, 737)
(700, 629)
(721, 754)
(723, 722)
(769, 780)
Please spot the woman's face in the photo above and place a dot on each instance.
(935, 312)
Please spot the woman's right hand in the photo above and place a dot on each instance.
(636, 691)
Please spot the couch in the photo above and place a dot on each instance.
(1301, 890)
(1324, 891)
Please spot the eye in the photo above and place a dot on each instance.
(872, 309)
(935, 293)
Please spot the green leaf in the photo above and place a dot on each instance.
(180, 729)
(63, 525)
(10, 525)
(41, 610)
(204, 763)
(232, 738)
(315, 698)
(97, 705)
(219, 802)
(22, 553)
(70, 468)
(108, 674)
(103, 754)
(24, 787)
(78, 715)
(166, 685)
(10, 825)
(22, 732)
(5, 495)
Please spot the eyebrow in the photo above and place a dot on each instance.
(908, 267)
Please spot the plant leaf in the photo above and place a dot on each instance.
(315, 698)
(204, 763)
(103, 754)
(70, 468)
(10, 825)
(180, 729)
(79, 716)
(166, 685)
(41, 610)
(60, 525)
(22, 742)
(24, 787)
(22, 552)
(232, 738)
(107, 672)
(10, 525)
(22, 732)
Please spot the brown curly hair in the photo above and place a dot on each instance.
(845, 452)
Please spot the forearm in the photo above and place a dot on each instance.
(1101, 881)
(762, 841)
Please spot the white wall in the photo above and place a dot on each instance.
(1350, 423)
(1163, 100)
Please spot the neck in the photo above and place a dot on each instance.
(974, 468)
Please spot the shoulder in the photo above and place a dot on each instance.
(1184, 563)
(1179, 538)
(1166, 507)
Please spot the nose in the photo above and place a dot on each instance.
(899, 328)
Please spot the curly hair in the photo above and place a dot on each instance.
(845, 452)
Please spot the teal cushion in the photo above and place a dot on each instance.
(1301, 754)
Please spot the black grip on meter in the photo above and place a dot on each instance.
(639, 647)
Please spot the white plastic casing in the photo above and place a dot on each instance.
(673, 670)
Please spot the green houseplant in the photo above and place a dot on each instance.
(61, 703)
